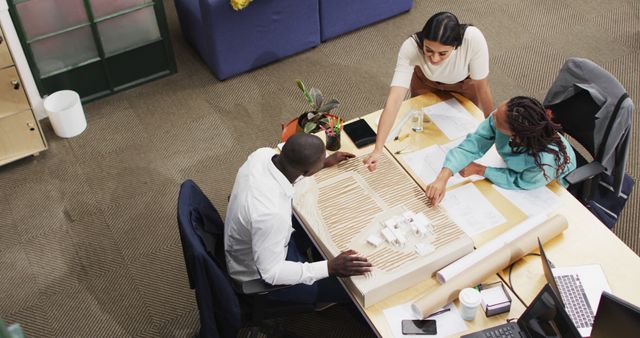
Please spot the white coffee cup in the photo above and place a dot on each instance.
(469, 301)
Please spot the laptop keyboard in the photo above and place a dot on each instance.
(502, 331)
(575, 300)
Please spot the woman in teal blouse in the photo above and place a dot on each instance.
(526, 139)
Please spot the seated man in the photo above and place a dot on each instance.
(258, 225)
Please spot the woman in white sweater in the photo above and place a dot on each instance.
(446, 56)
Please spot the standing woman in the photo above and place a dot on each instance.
(445, 55)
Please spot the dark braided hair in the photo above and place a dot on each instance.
(534, 132)
(442, 27)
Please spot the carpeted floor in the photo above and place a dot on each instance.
(89, 244)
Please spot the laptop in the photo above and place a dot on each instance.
(544, 317)
(579, 289)
(616, 318)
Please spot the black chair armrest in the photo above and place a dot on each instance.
(585, 172)
(258, 286)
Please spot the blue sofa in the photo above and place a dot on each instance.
(338, 17)
(233, 42)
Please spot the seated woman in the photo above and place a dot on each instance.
(444, 56)
(526, 139)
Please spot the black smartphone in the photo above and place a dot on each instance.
(419, 326)
(360, 133)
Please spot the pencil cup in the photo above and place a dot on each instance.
(333, 141)
(469, 301)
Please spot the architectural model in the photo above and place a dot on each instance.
(383, 215)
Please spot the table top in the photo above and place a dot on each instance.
(586, 241)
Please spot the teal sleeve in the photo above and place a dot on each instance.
(532, 177)
(472, 148)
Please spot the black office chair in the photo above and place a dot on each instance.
(224, 306)
(595, 112)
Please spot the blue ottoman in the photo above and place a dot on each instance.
(338, 17)
(232, 42)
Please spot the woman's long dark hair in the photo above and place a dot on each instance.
(534, 132)
(443, 28)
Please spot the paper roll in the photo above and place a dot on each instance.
(488, 249)
(493, 263)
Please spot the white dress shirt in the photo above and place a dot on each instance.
(258, 226)
(471, 59)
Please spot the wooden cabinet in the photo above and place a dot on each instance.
(20, 133)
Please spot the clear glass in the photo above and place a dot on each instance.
(40, 17)
(129, 30)
(102, 8)
(417, 121)
(65, 50)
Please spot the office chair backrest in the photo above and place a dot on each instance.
(577, 116)
(580, 86)
(200, 224)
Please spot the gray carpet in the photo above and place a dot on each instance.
(89, 244)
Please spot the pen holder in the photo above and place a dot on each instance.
(333, 141)
(495, 299)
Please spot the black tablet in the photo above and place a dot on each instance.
(360, 133)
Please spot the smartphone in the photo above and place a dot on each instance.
(419, 326)
(360, 133)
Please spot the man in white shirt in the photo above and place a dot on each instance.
(258, 225)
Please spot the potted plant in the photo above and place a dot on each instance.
(311, 121)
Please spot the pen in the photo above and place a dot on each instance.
(439, 312)
(401, 137)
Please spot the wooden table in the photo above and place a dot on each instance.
(586, 241)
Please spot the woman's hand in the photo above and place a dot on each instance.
(435, 190)
(371, 161)
(473, 168)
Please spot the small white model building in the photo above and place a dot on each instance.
(375, 240)
(388, 235)
(401, 240)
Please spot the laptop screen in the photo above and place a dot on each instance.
(548, 275)
(615, 318)
(546, 317)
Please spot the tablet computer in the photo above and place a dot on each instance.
(360, 133)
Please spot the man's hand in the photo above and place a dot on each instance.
(337, 157)
(348, 263)
(435, 190)
(473, 168)
(371, 161)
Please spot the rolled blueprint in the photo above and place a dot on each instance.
(496, 261)
(488, 249)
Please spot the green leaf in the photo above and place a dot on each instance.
(325, 121)
(333, 103)
(317, 97)
(309, 99)
(309, 127)
(305, 92)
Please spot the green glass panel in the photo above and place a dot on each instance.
(41, 17)
(129, 31)
(64, 50)
(102, 8)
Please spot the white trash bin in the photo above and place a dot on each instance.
(65, 113)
